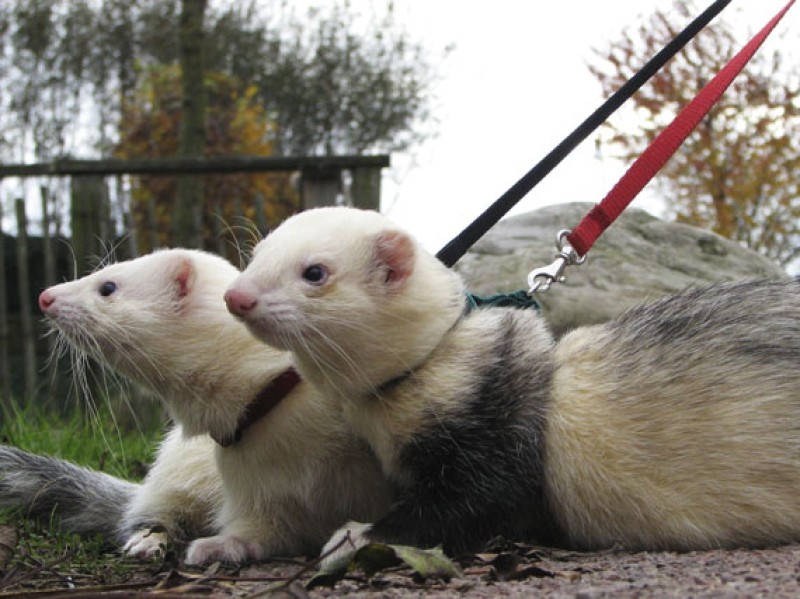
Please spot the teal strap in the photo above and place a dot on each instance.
(516, 299)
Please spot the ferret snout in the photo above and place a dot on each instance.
(239, 302)
(46, 299)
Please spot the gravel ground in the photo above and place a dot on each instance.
(506, 570)
(548, 573)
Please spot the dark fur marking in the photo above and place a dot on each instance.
(479, 473)
(709, 317)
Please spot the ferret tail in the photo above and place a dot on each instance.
(85, 501)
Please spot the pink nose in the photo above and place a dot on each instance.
(46, 299)
(239, 302)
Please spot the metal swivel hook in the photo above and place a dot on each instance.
(540, 279)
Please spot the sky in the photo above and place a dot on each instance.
(514, 86)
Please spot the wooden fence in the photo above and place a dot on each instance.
(29, 263)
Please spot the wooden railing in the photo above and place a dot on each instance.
(28, 263)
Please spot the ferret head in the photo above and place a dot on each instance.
(160, 320)
(356, 299)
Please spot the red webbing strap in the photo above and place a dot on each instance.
(663, 147)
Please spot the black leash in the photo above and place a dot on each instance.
(458, 246)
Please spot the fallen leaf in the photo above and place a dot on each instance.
(505, 565)
(376, 557)
(427, 563)
(8, 541)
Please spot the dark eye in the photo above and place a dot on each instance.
(316, 274)
(107, 288)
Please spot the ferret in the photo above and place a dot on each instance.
(675, 426)
(279, 487)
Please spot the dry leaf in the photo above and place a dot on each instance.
(8, 541)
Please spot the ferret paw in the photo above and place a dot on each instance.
(342, 546)
(223, 548)
(146, 544)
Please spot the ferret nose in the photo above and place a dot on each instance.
(239, 302)
(46, 299)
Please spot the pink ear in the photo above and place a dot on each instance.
(184, 276)
(394, 251)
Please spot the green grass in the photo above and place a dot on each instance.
(46, 557)
(96, 441)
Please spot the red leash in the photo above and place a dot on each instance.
(647, 165)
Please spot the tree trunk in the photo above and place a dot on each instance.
(186, 224)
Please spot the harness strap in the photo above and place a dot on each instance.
(664, 146)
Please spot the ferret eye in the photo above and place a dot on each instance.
(107, 288)
(316, 274)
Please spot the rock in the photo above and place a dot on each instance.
(639, 258)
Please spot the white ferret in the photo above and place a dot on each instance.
(295, 474)
(675, 426)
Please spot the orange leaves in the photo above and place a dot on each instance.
(737, 172)
(236, 124)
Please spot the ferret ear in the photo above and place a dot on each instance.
(394, 253)
(183, 277)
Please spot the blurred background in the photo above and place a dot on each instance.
(131, 125)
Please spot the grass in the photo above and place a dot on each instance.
(96, 441)
(46, 557)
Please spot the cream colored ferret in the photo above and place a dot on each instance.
(674, 426)
(278, 487)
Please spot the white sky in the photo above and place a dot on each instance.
(516, 84)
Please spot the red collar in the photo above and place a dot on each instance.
(269, 397)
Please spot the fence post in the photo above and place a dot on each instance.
(319, 187)
(218, 227)
(89, 195)
(47, 239)
(365, 189)
(5, 369)
(261, 215)
(25, 314)
(49, 279)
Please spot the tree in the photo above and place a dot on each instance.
(346, 83)
(738, 172)
(45, 58)
(191, 138)
(235, 124)
(335, 90)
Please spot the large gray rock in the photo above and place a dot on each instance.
(639, 258)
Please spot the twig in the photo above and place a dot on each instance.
(88, 589)
(306, 568)
(9, 580)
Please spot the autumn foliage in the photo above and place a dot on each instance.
(738, 172)
(236, 124)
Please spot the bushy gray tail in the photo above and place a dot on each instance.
(85, 501)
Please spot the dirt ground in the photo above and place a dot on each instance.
(549, 573)
(507, 571)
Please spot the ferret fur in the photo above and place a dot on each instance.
(294, 476)
(674, 426)
(88, 502)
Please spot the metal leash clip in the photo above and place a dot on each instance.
(540, 279)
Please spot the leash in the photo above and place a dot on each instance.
(458, 246)
(573, 246)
